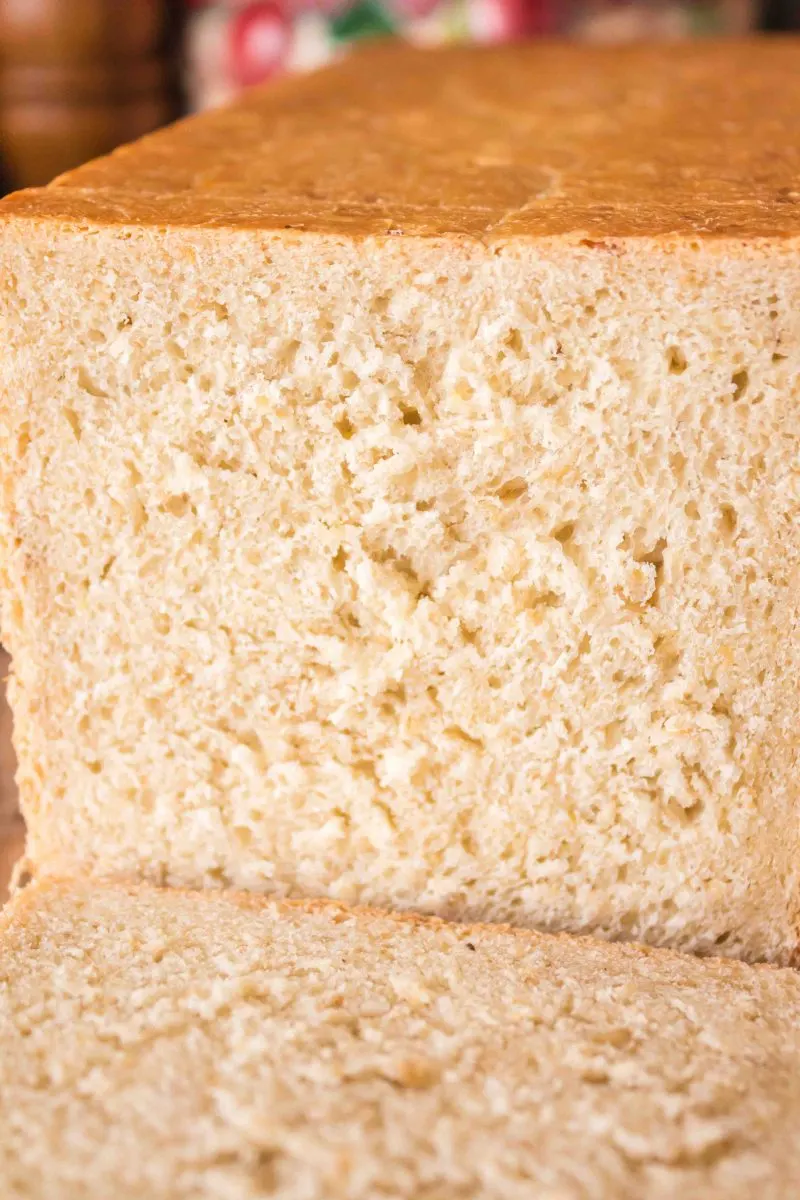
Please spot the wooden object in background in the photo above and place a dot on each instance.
(77, 77)
(12, 841)
(12, 831)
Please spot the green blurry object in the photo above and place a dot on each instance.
(362, 20)
(706, 20)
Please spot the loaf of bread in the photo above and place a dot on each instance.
(158, 1045)
(401, 493)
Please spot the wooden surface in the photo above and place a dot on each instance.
(77, 77)
(11, 828)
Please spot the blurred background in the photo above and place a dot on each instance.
(78, 77)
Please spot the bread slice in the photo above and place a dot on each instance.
(400, 493)
(156, 1045)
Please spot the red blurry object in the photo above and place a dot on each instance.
(509, 20)
(259, 41)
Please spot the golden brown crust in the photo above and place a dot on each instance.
(536, 140)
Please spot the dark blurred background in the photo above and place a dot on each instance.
(77, 77)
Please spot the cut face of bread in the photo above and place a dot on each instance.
(411, 515)
(159, 1046)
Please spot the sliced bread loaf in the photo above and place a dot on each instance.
(400, 493)
(157, 1045)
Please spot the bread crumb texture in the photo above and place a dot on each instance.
(457, 571)
(158, 1045)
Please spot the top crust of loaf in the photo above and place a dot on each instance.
(542, 140)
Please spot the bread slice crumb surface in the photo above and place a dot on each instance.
(158, 1045)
